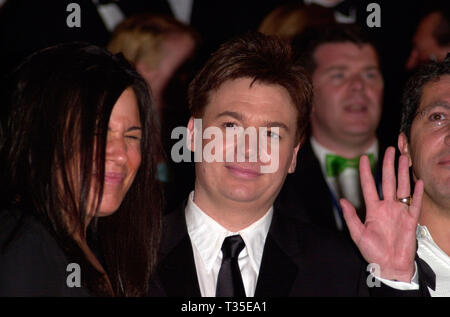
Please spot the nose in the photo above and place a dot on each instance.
(116, 149)
(251, 146)
(245, 145)
(357, 82)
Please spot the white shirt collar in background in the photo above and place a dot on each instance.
(320, 151)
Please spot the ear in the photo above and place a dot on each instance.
(403, 146)
(190, 137)
(293, 164)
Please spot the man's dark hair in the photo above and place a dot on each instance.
(265, 59)
(305, 44)
(412, 95)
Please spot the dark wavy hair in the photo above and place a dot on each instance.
(59, 107)
(412, 94)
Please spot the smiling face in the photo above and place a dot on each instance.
(348, 91)
(236, 104)
(123, 152)
(429, 143)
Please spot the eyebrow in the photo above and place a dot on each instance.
(240, 117)
(435, 104)
(233, 114)
(134, 128)
(276, 124)
(344, 67)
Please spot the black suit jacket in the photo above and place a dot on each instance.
(298, 260)
(305, 194)
(32, 263)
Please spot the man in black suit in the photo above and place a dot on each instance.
(348, 91)
(228, 240)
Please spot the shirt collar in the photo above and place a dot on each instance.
(321, 152)
(422, 233)
(207, 235)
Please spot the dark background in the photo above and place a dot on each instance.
(29, 25)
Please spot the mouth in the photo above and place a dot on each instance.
(356, 108)
(245, 172)
(114, 178)
(445, 161)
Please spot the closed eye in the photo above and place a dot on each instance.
(133, 137)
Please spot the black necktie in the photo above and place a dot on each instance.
(229, 281)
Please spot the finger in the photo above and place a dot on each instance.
(367, 183)
(388, 174)
(404, 188)
(416, 205)
(354, 224)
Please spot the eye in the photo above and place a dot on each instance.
(371, 75)
(337, 75)
(229, 125)
(437, 116)
(272, 134)
(133, 137)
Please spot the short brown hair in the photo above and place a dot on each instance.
(265, 59)
(306, 44)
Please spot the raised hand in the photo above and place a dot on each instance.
(388, 236)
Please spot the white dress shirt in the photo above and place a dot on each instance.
(347, 185)
(437, 259)
(207, 237)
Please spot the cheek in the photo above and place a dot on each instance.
(134, 159)
(375, 93)
(420, 152)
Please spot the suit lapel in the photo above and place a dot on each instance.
(278, 271)
(311, 186)
(177, 273)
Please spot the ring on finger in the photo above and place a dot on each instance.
(405, 200)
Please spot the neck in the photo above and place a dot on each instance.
(348, 148)
(232, 215)
(437, 219)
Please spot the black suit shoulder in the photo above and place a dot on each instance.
(31, 261)
(327, 263)
(175, 274)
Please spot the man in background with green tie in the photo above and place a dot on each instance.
(348, 90)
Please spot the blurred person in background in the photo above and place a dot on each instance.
(348, 90)
(291, 19)
(431, 41)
